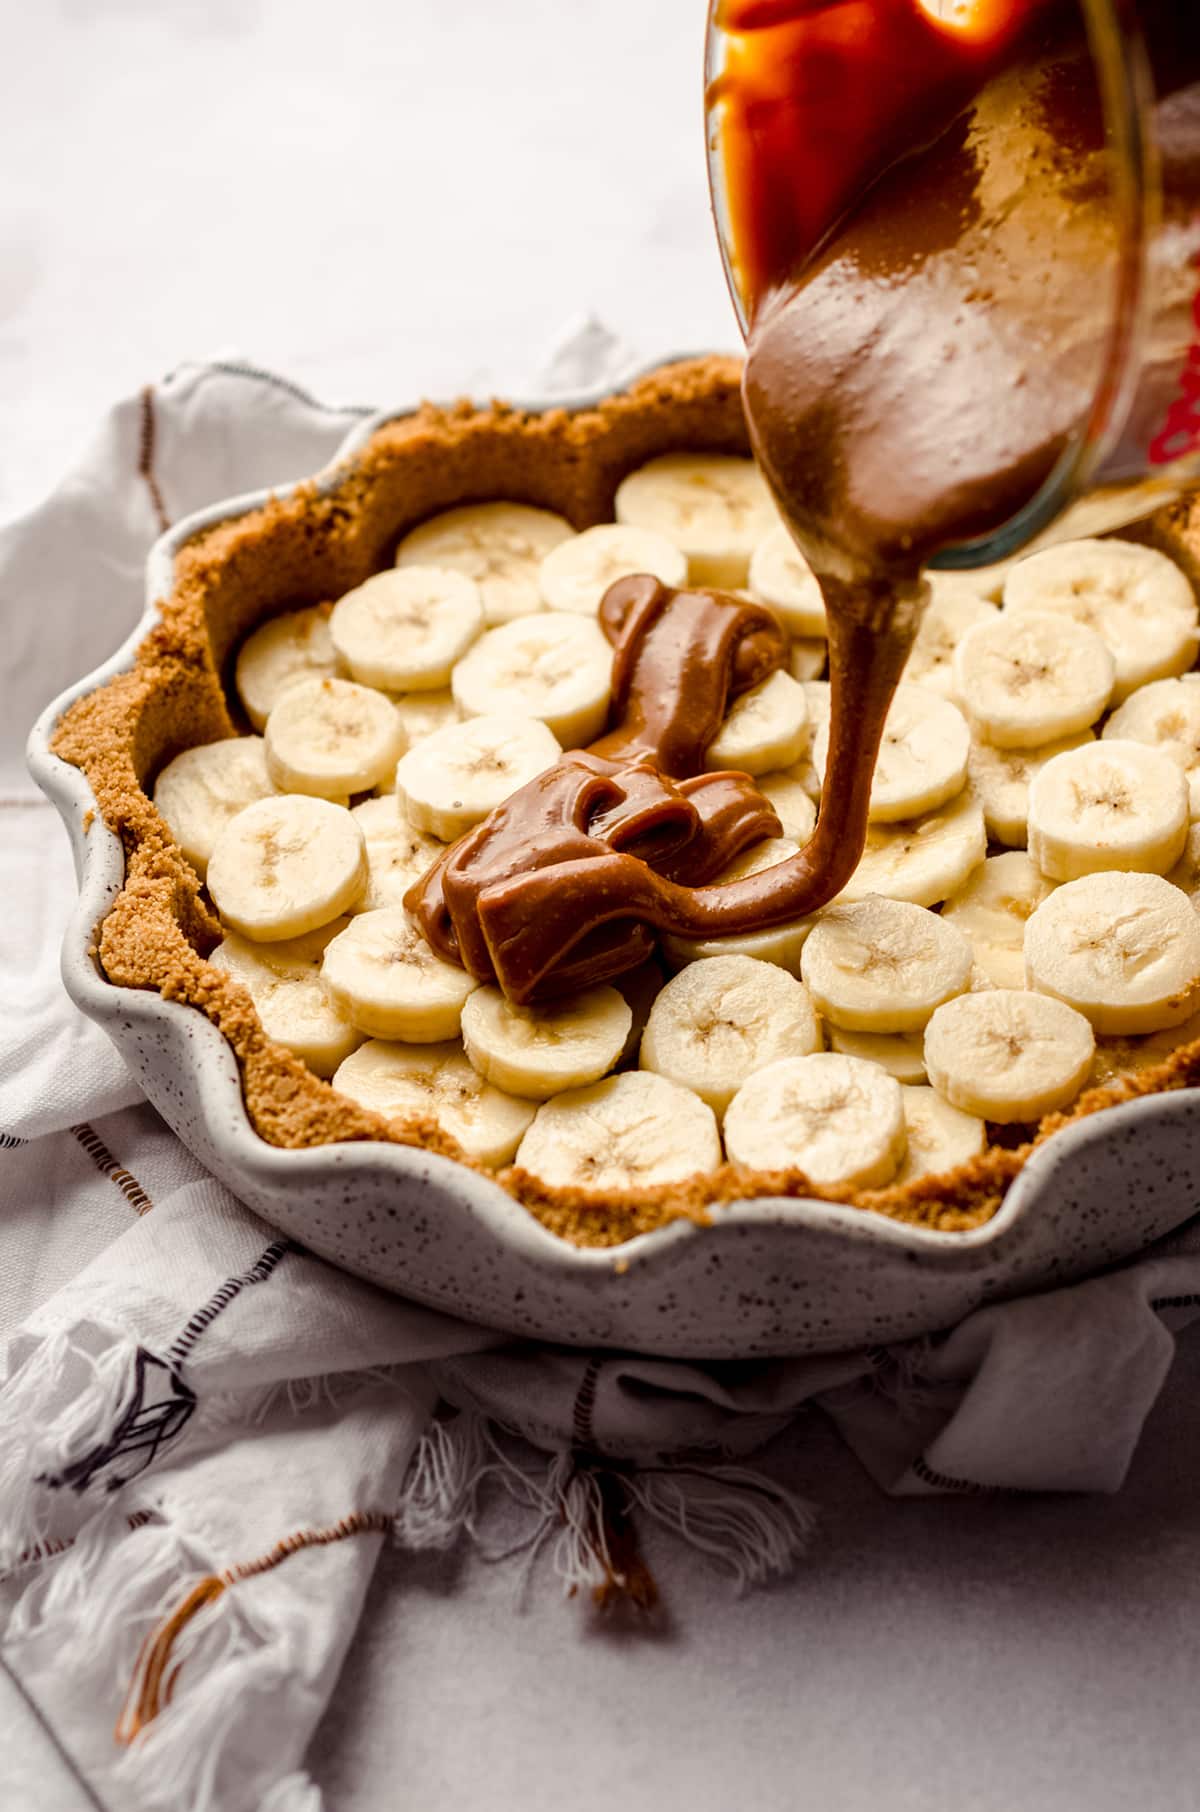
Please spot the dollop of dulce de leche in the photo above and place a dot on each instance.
(565, 883)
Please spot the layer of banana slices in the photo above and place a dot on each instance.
(1024, 921)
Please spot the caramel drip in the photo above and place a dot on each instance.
(563, 884)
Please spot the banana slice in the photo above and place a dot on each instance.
(555, 667)
(922, 759)
(1133, 597)
(575, 575)
(294, 646)
(203, 788)
(766, 728)
(639, 988)
(389, 981)
(940, 1137)
(1001, 779)
(1029, 677)
(499, 545)
(1008, 1055)
(923, 860)
(458, 775)
(420, 714)
(286, 865)
(948, 616)
(713, 506)
(1109, 805)
(632, 1131)
(788, 793)
(720, 1019)
(883, 965)
(1186, 872)
(901, 1054)
(781, 577)
(290, 995)
(992, 911)
(1166, 714)
(806, 659)
(817, 700)
(397, 855)
(779, 944)
(330, 737)
(435, 1081)
(1124, 949)
(1126, 1056)
(836, 1118)
(954, 584)
(404, 630)
(539, 1051)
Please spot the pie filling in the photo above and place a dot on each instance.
(469, 799)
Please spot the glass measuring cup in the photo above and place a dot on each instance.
(843, 90)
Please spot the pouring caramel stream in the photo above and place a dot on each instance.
(926, 330)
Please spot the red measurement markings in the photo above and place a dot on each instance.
(1180, 432)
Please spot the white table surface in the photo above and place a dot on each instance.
(383, 199)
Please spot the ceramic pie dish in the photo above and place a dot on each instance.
(762, 1275)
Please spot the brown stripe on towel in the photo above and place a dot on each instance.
(107, 1165)
(151, 1687)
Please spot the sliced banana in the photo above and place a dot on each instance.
(554, 667)
(499, 545)
(1028, 677)
(781, 577)
(765, 728)
(720, 1019)
(296, 645)
(1166, 714)
(1109, 805)
(420, 714)
(291, 996)
(390, 982)
(901, 1054)
(883, 965)
(780, 944)
(1133, 597)
(286, 865)
(461, 773)
(404, 629)
(948, 616)
(397, 855)
(837, 1119)
(713, 506)
(1127, 1056)
(539, 1051)
(940, 1137)
(992, 911)
(806, 659)
(632, 1131)
(818, 702)
(788, 793)
(575, 575)
(954, 584)
(1001, 780)
(922, 759)
(1124, 949)
(639, 988)
(923, 860)
(1008, 1055)
(331, 737)
(435, 1081)
(203, 788)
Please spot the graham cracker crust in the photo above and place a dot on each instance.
(310, 547)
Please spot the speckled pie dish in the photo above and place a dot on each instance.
(680, 1272)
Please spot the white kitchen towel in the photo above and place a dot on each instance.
(205, 1434)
